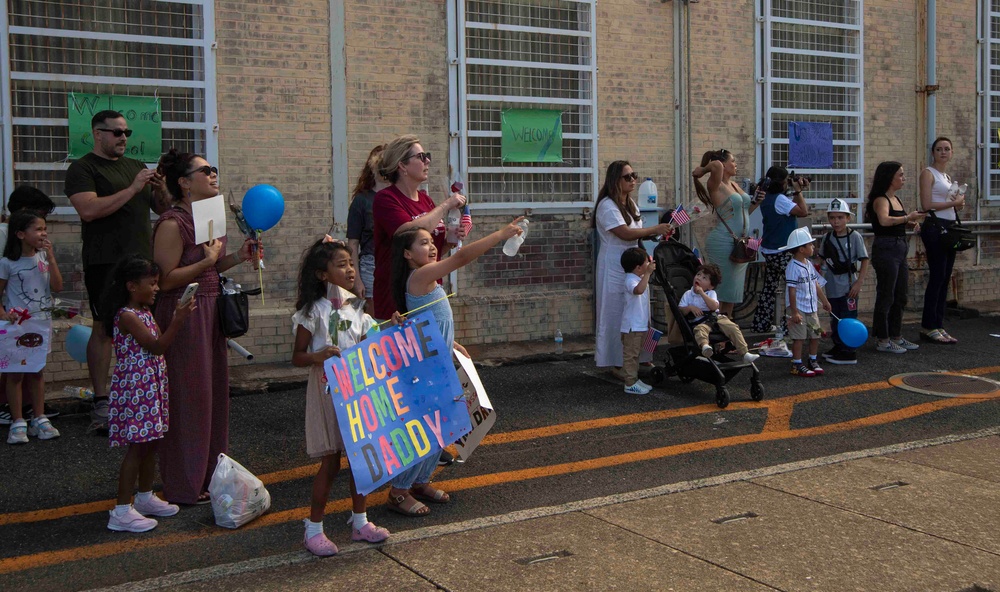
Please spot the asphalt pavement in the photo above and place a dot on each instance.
(580, 486)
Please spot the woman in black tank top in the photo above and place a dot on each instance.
(889, 221)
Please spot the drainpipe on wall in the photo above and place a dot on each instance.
(931, 84)
(338, 117)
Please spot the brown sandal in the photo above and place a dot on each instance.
(407, 506)
(426, 493)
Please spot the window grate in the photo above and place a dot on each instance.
(990, 120)
(163, 45)
(503, 42)
(813, 71)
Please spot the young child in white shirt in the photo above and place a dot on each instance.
(804, 293)
(635, 317)
(701, 300)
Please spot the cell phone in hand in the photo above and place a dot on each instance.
(189, 293)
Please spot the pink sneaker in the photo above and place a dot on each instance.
(154, 506)
(320, 546)
(130, 521)
(370, 533)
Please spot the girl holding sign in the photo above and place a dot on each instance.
(323, 327)
(415, 274)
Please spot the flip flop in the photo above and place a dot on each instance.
(204, 498)
(935, 336)
(411, 509)
(438, 497)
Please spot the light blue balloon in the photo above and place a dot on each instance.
(263, 206)
(852, 332)
(76, 342)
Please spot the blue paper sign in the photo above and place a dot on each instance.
(810, 145)
(398, 400)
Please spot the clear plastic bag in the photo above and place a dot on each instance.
(237, 495)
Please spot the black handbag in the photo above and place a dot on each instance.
(955, 237)
(234, 313)
(742, 251)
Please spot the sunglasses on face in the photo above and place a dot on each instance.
(117, 132)
(631, 176)
(208, 170)
(424, 157)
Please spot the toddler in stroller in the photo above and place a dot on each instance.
(676, 268)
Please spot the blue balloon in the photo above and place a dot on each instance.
(852, 332)
(76, 342)
(263, 206)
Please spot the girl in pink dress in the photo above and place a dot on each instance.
(139, 412)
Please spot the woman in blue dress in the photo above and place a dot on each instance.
(731, 204)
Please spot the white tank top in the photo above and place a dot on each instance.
(939, 193)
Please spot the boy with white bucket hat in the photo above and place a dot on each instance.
(804, 290)
(846, 265)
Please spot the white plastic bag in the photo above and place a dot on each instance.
(237, 495)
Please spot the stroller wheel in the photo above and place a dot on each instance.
(657, 375)
(687, 379)
(722, 397)
(756, 390)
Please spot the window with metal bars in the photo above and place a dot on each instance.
(811, 59)
(527, 54)
(107, 47)
(990, 83)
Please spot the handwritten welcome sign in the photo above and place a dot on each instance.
(142, 114)
(398, 400)
(24, 347)
(531, 135)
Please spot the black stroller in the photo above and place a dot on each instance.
(676, 266)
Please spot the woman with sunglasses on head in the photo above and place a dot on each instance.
(197, 367)
(619, 227)
(732, 207)
(403, 206)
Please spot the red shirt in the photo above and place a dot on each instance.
(391, 209)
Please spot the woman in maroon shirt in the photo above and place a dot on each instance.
(402, 206)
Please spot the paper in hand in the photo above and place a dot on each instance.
(209, 219)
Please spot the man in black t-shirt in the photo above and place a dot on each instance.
(113, 195)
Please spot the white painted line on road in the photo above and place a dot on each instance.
(274, 561)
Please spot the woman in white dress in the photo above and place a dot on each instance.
(619, 227)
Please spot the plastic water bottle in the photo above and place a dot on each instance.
(512, 245)
(559, 342)
(79, 392)
(647, 193)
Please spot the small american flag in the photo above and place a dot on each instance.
(680, 216)
(466, 222)
(652, 338)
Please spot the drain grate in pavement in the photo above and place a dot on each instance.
(944, 384)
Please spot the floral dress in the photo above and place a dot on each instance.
(138, 409)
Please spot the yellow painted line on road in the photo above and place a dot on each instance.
(48, 558)
(779, 417)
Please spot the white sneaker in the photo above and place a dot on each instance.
(890, 347)
(707, 352)
(18, 433)
(99, 416)
(638, 389)
(154, 506)
(749, 358)
(42, 428)
(905, 344)
(648, 387)
(130, 521)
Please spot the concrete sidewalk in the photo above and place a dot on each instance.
(916, 516)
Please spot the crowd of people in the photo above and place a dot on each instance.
(169, 402)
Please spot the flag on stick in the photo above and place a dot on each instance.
(466, 223)
(652, 339)
(680, 216)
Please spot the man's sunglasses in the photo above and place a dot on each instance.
(424, 157)
(117, 132)
(631, 177)
(208, 170)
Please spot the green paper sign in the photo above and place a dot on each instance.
(142, 114)
(531, 135)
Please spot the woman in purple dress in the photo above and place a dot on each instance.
(196, 366)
